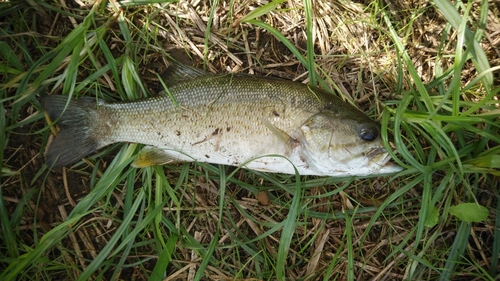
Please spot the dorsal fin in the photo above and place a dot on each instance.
(177, 72)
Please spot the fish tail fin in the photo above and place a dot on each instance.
(76, 119)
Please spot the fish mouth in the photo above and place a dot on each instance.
(381, 158)
(389, 167)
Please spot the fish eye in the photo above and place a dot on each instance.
(368, 133)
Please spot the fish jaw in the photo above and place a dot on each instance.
(360, 165)
(390, 168)
(380, 161)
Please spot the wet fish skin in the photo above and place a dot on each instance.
(226, 119)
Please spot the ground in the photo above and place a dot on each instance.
(428, 73)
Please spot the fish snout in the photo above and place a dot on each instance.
(375, 153)
(380, 157)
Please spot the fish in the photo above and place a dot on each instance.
(255, 122)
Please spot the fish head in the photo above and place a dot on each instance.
(344, 145)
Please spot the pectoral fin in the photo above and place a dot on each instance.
(289, 142)
(151, 156)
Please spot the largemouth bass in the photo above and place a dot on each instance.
(260, 123)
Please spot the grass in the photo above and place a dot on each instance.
(428, 72)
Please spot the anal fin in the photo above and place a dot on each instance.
(151, 156)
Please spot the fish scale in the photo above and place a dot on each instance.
(229, 119)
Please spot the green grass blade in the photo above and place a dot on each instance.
(3, 135)
(215, 241)
(350, 247)
(164, 259)
(455, 19)
(135, 3)
(281, 38)
(112, 62)
(460, 59)
(159, 184)
(127, 209)
(425, 210)
(108, 181)
(97, 74)
(10, 56)
(265, 9)
(456, 251)
(128, 79)
(496, 244)
(208, 31)
(288, 229)
(71, 71)
(276, 33)
(140, 226)
(50, 239)
(310, 41)
(55, 235)
(110, 245)
(8, 235)
(422, 91)
(400, 192)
